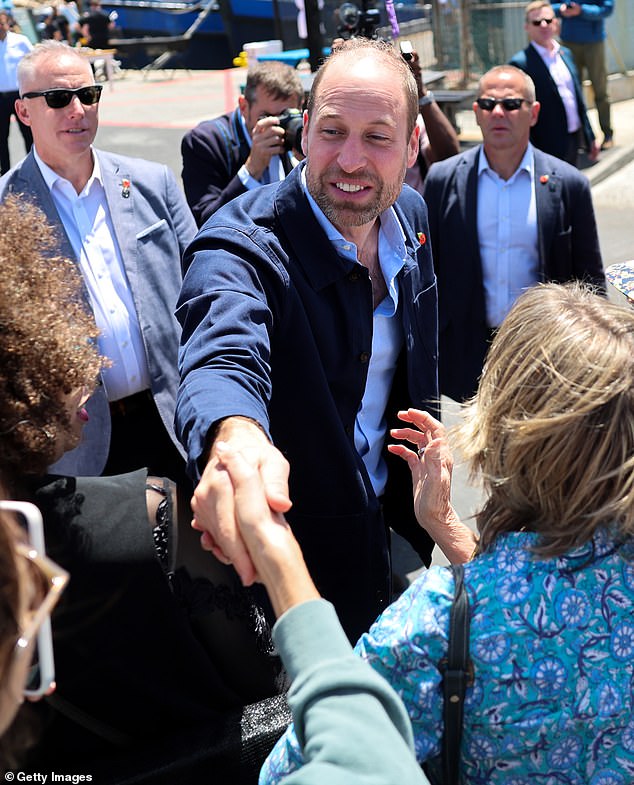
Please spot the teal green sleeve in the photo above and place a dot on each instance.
(351, 725)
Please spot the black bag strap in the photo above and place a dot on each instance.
(455, 678)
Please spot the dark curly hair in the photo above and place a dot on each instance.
(47, 339)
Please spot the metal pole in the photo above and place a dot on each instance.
(277, 23)
(465, 42)
(314, 40)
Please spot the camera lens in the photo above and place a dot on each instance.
(292, 121)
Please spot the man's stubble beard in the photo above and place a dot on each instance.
(353, 215)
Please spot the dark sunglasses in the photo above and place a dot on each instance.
(508, 104)
(60, 97)
(538, 22)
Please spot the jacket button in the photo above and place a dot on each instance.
(353, 276)
(364, 357)
(349, 430)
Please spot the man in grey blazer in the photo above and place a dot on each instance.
(126, 223)
(503, 216)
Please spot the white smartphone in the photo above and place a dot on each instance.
(42, 670)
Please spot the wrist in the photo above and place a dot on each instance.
(254, 170)
(224, 429)
(282, 570)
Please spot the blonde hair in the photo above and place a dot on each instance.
(535, 5)
(551, 428)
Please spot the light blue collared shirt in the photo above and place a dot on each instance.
(387, 338)
(507, 233)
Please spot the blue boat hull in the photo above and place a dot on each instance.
(223, 32)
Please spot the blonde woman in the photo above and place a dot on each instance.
(551, 431)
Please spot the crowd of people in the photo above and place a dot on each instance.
(221, 426)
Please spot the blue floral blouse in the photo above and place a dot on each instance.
(552, 644)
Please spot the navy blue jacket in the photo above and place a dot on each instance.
(550, 132)
(278, 327)
(567, 241)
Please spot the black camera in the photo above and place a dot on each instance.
(355, 21)
(292, 121)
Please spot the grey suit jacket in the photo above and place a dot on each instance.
(153, 226)
(568, 249)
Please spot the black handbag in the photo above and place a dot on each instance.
(457, 671)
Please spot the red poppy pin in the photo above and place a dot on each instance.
(543, 179)
(125, 188)
(422, 238)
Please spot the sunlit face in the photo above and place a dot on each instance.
(77, 417)
(543, 33)
(263, 105)
(356, 142)
(502, 129)
(4, 26)
(13, 679)
(60, 135)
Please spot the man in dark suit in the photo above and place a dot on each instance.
(562, 126)
(244, 149)
(503, 216)
(309, 318)
(126, 222)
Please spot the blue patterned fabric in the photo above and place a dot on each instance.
(552, 643)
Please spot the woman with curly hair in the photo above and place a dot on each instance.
(50, 362)
(132, 677)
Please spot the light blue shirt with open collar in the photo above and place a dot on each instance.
(507, 234)
(387, 338)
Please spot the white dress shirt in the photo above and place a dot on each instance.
(88, 224)
(12, 50)
(507, 234)
(563, 79)
(387, 339)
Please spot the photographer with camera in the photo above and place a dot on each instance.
(253, 145)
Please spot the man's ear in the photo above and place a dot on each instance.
(413, 146)
(243, 105)
(535, 112)
(22, 111)
(305, 134)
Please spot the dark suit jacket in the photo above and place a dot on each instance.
(152, 227)
(278, 327)
(550, 131)
(213, 152)
(568, 249)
